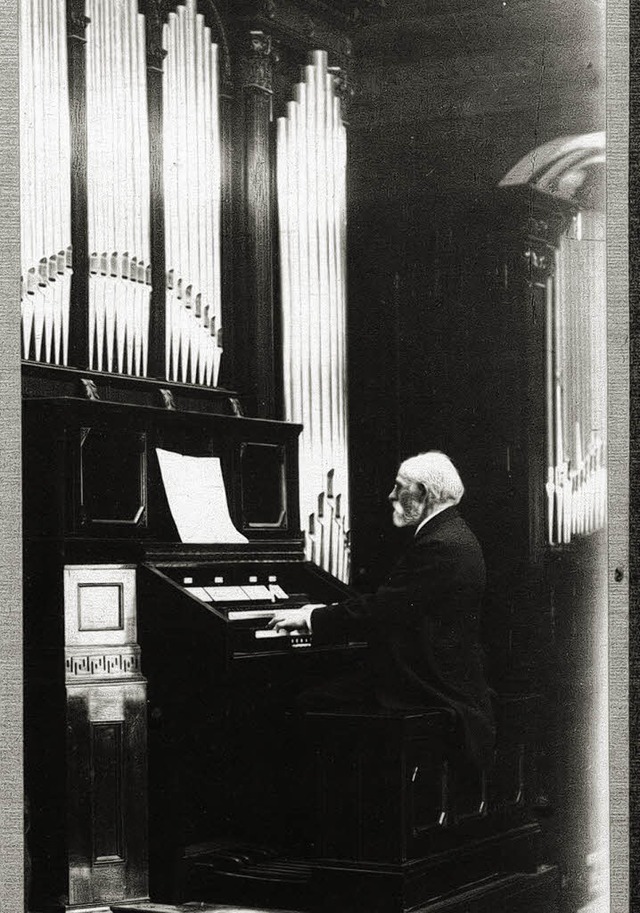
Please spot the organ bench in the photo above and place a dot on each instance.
(397, 820)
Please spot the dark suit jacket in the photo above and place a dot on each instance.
(423, 629)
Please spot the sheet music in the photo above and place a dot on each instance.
(197, 498)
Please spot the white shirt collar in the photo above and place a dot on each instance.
(438, 510)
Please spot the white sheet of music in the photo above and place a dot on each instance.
(197, 498)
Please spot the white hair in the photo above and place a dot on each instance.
(437, 473)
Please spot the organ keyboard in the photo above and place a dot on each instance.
(233, 604)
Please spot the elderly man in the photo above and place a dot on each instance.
(423, 624)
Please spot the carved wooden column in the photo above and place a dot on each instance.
(79, 303)
(155, 16)
(226, 138)
(255, 356)
(106, 739)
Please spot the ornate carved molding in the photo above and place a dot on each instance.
(257, 64)
(167, 399)
(102, 663)
(76, 20)
(156, 12)
(298, 24)
(90, 389)
(155, 55)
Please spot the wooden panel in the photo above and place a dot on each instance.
(112, 480)
(108, 775)
(99, 605)
(106, 791)
(338, 780)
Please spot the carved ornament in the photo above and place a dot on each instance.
(167, 399)
(236, 408)
(156, 12)
(105, 663)
(258, 62)
(77, 22)
(90, 388)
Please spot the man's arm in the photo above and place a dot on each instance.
(415, 583)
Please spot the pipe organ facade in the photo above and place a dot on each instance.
(192, 186)
(125, 140)
(45, 172)
(149, 141)
(117, 188)
(576, 395)
(151, 302)
(138, 118)
(311, 178)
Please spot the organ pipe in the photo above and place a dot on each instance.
(117, 188)
(192, 187)
(576, 389)
(45, 200)
(311, 184)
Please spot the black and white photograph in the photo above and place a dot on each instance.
(314, 457)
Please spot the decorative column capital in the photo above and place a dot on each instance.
(156, 12)
(155, 55)
(76, 20)
(258, 60)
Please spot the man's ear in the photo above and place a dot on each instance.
(421, 493)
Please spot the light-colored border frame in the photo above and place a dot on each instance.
(11, 759)
(617, 69)
(11, 805)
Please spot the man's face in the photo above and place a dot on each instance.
(408, 506)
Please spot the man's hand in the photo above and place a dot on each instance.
(294, 619)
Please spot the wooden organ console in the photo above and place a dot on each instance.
(160, 710)
(157, 633)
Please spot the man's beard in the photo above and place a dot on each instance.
(407, 511)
